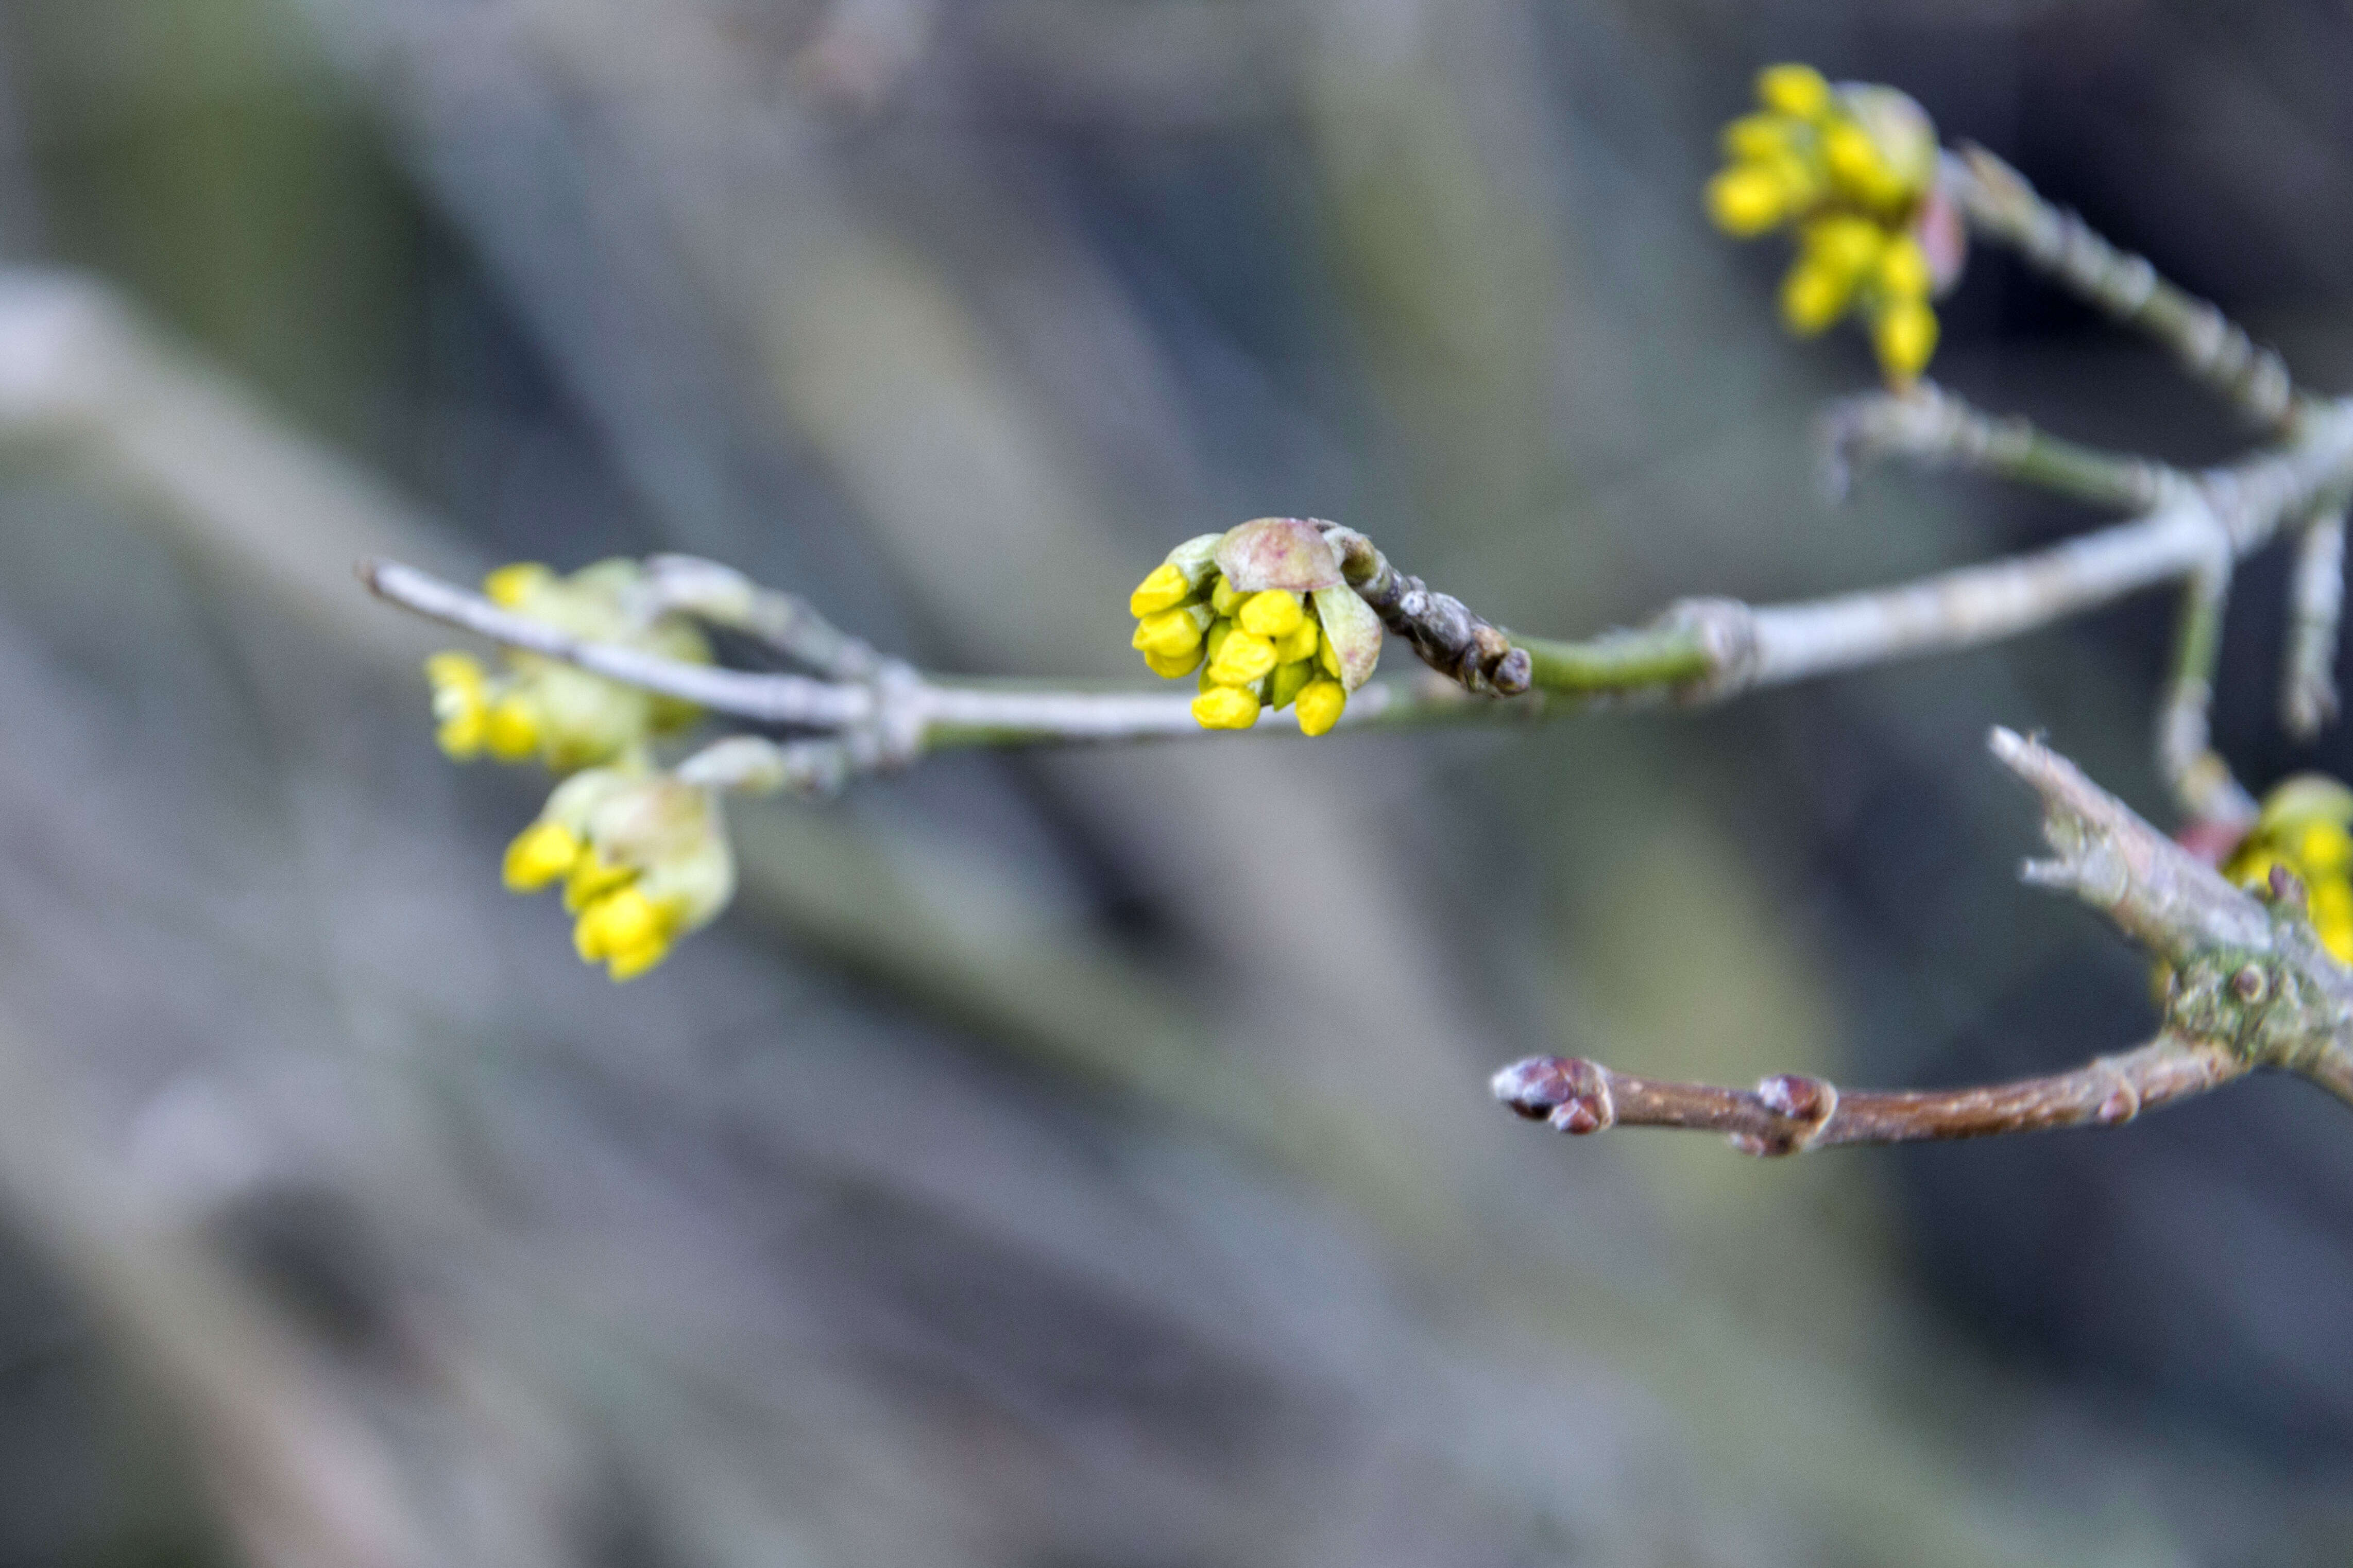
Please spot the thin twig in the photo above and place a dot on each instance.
(2000, 205)
(2201, 780)
(1791, 1113)
(2308, 684)
(789, 624)
(2247, 988)
(1932, 427)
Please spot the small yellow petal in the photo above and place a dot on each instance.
(2330, 900)
(1328, 654)
(1300, 642)
(1170, 633)
(1320, 706)
(1905, 336)
(628, 963)
(1272, 614)
(1169, 666)
(460, 735)
(593, 877)
(1844, 244)
(1226, 708)
(1754, 138)
(1242, 659)
(1223, 595)
(2325, 850)
(1747, 199)
(454, 671)
(1904, 269)
(1164, 589)
(539, 855)
(1812, 297)
(511, 585)
(1855, 165)
(620, 922)
(511, 731)
(1793, 90)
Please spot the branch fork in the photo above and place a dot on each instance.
(2247, 988)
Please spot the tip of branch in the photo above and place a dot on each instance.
(1569, 1092)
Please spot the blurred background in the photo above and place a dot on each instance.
(1077, 1160)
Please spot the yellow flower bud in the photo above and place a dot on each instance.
(623, 921)
(1327, 656)
(1747, 199)
(2330, 898)
(592, 878)
(1169, 666)
(628, 963)
(1904, 269)
(2324, 848)
(1300, 642)
(1287, 681)
(1793, 90)
(1165, 588)
(510, 729)
(1226, 708)
(1758, 138)
(455, 672)
(1223, 596)
(539, 855)
(1320, 706)
(1242, 659)
(1172, 633)
(1856, 168)
(1844, 244)
(1904, 335)
(509, 586)
(1813, 296)
(1272, 614)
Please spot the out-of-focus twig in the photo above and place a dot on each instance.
(2248, 987)
(2000, 205)
(2308, 684)
(1931, 426)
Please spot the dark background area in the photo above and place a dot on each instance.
(1061, 1160)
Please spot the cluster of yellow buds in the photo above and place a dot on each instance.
(1263, 613)
(535, 706)
(2304, 827)
(1851, 170)
(643, 857)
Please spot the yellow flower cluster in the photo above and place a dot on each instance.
(1849, 170)
(2304, 827)
(643, 858)
(535, 706)
(1261, 612)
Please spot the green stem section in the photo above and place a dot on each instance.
(1621, 661)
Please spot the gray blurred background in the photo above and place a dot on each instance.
(1080, 1159)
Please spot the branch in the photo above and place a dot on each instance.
(894, 715)
(1937, 430)
(2001, 206)
(2309, 685)
(2247, 988)
(1698, 649)
(1791, 1113)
